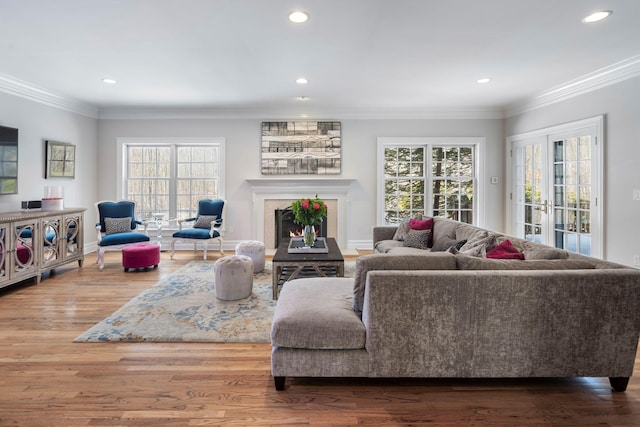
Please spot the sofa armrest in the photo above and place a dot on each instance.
(383, 232)
(367, 263)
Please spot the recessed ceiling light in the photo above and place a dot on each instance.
(484, 80)
(109, 81)
(302, 81)
(298, 17)
(597, 16)
(302, 98)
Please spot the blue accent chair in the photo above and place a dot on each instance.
(196, 234)
(108, 241)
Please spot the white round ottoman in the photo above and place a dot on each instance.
(233, 277)
(254, 250)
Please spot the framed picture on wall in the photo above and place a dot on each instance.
(60, 160)
(301, 148)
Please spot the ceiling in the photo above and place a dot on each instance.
(396, 58)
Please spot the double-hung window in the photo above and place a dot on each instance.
(166, 177)
(427, 176)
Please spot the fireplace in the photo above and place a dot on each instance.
(277, 193)
(285, 228)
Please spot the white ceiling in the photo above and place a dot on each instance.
(362, 57)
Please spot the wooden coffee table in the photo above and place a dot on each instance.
(286, 266)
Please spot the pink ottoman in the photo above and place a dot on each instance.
(142, 255)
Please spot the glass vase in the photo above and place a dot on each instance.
(309, 235)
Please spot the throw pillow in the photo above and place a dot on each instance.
(402, 231)
(478, 247)
(444, 243)
(505, 250)
(204, 221)
(117, 225)
(417, 239)
(420, 224)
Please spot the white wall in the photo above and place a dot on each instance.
(36, 123)
(619, 103)
(358, 153)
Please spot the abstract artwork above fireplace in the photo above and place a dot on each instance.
(301, 148)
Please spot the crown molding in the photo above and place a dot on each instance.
(34, 93)
(607, 76)
(150, 113)
(612, 74)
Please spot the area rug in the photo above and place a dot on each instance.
(183, 308)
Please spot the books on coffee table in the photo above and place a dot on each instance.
(296, 246)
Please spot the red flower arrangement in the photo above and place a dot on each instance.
(309, 211)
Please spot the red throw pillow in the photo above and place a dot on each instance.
(505, 250)
(420, 224)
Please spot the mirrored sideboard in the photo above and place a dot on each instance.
(34, 242)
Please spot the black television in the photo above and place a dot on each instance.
(8, 160)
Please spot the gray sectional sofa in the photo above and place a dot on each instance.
(420, 313)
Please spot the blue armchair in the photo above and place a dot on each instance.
(207, 226)
(117, 227)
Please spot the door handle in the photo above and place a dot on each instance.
(545, 207)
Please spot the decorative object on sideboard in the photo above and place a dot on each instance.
(301, 148)
(53, 199)
(31, 204)
(60, 160)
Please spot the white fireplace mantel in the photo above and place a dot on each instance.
(263, 189)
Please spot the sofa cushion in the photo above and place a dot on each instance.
(316, 313)
(406, 250)
(465, 262)
(418, 239)
(545, 253)
(443, 227)
(385, 246)
(425, 260)
(470, 232)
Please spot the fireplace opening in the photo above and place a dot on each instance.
(285, 228)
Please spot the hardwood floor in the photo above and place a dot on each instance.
(46, 380)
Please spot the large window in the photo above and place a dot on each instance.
(167, 177)
(427, 176)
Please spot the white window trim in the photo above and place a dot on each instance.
(124, 141)
(597, 166)
(476, 142)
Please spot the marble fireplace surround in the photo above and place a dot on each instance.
(269, 194)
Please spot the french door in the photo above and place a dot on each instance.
(556, 187)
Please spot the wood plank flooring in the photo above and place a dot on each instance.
(46, 380)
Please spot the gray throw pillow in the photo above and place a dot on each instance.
(402, 231)
(117, 225)
(418, 239)
(444, 243)
(204, 221)
(479, 247)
